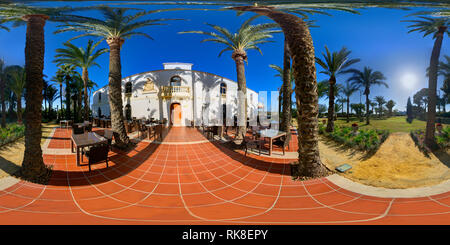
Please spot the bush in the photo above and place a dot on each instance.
(11, 133)
(363, 140)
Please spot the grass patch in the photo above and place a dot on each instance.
(393, 124)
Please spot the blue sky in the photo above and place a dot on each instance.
(377, 37)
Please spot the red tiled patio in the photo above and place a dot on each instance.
(198, 183)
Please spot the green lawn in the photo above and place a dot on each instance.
(393, 124)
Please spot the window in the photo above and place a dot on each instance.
(223, 89)
(99, 97)
(128, 88)
(175, 81)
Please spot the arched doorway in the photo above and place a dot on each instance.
(175, 114)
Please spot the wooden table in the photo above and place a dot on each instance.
(271, 134)
(84, 140)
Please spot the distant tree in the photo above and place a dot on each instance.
(322, 109)
(438, 27)
(390, 104)
(409, 111)
(334, 64)
(421, 98)
(348, 90)
(359, 110)
(381, 101)
(366, 79)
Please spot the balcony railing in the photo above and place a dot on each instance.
(175, 91)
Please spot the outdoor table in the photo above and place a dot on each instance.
(84, 140)
(271, 134)
(65, 122)
(150, 127)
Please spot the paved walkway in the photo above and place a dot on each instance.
(201, 183)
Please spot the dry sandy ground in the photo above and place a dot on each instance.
(397, 164)
(11, 155)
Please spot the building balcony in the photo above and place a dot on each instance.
(175, 92)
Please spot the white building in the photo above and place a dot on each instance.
(181, 95)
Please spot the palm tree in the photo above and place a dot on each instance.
(348, 90)
(246, 38)
(341, 100)
(334, 64)
(115, 27)
(373, 104)
(33, 167)
(17, 86)
(51, 96)
(285, 95)
(58, 79)
(381, 101)
(66, 74)
(438, 27)
(83, 58)
(390, 104)
(366, 79)
(301, 48)
(2, 93)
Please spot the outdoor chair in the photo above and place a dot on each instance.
(141, 128)
(77, 130)
(208, 131)
(97, 153)
(88, 127)
(254, 131)
(251, 144)
(282, 142)
(158, 132)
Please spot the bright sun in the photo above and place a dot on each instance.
(409, 80)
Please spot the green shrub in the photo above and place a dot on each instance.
(11, 133)
(363, 140)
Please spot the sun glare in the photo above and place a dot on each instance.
(409, 80)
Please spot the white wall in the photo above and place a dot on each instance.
(204, 86)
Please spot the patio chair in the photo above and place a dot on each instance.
(251, 144)
(97, 153)
(141, 128)
(88, 127)
(77, 130)
(282, 142)
(158, 132)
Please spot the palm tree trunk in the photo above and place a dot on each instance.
(239, 58)
(348, 105)
(2, 98)
(432, 84)
(115, 92)
(61, 98)
(85, 77)
(330, 123)
(33, 167)
(19, 110)
(68, 102)
(287, 93)
(367, 109)
(302, 52)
